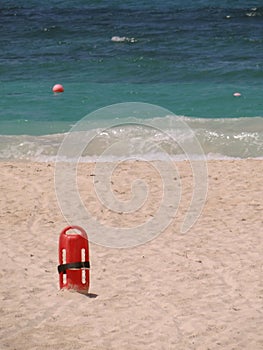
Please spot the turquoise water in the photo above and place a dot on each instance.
(188, 57)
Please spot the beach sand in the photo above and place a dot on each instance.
(198, 290)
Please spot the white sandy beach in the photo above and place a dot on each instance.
(199, 290)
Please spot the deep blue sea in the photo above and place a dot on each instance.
(186, 57)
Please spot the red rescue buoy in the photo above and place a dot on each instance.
(58, 88)
(74, 263)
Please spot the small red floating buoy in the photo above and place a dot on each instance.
(58, 88)
(236, 94)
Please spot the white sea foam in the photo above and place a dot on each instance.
(150, 139)
(121, 39)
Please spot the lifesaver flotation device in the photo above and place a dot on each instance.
(74, 262)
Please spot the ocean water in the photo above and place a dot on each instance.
(174, 64)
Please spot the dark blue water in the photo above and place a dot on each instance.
(186, 56)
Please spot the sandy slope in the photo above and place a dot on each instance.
(199, 290)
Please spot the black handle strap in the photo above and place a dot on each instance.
(78, 265)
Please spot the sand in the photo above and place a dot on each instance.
(198, 290)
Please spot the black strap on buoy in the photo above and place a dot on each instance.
(78, 265)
